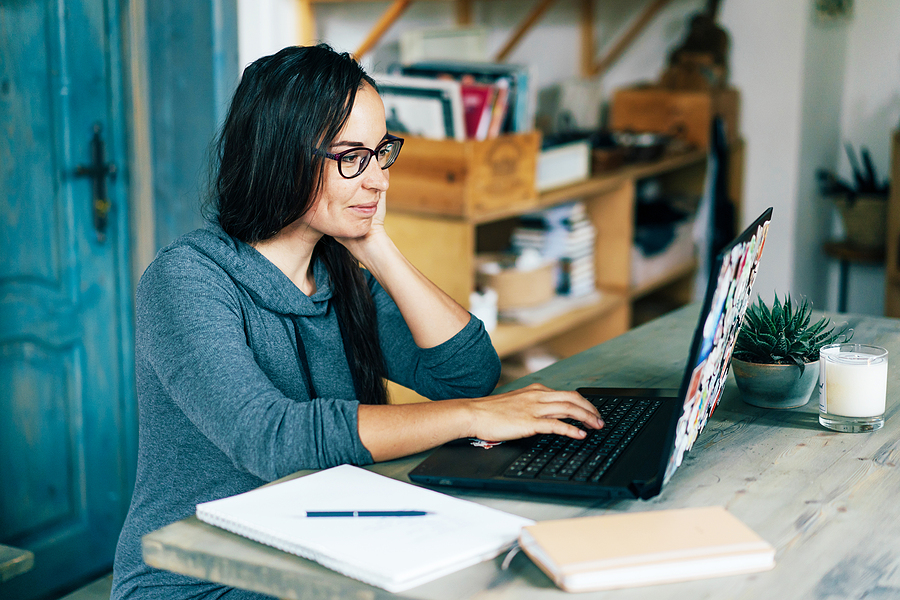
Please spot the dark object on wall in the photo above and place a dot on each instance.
(700, 62)
(861, 203)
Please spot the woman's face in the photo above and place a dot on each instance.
(344, 208)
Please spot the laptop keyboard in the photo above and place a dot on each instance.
(561, 458)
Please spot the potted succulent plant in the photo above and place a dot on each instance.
(777, 349)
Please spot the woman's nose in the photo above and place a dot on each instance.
(375, 177)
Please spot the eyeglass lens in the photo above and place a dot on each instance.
(354, 162)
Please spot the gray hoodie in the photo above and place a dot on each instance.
(222, 396)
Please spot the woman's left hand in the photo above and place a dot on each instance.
(359, 246)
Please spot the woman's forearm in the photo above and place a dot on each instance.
(432, 316)
(393, 431)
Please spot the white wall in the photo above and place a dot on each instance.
(806, 87)
(871, 111)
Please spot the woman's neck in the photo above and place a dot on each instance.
(291, 250)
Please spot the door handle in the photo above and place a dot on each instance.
(98, 171)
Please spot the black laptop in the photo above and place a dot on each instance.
(647, 431)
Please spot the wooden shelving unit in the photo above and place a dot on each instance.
(444, 247)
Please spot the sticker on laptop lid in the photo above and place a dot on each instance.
(483, 443)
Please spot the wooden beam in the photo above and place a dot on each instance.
(587, 38)
(390, 16)
(463, 12)
(306, 23)
(527, 24)
(630, 34)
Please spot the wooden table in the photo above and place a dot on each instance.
(827, 501)
(14, 561)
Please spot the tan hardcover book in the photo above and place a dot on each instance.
(645, 548)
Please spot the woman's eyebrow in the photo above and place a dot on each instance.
(346, 143)
(356, 144)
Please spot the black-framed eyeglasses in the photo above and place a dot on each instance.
(354, 161)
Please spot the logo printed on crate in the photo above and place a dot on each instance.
(504, 162)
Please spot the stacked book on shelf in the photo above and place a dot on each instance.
(564, 234)
(457, 99)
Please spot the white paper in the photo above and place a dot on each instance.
(394, 553)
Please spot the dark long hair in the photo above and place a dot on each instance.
(268, 174)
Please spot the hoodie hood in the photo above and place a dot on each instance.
(263, 281)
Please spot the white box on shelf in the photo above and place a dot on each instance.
(563, 164)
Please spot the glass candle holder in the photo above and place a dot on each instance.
(852, 387)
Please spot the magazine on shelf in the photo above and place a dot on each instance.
(421, 106)
(521, 98)
(478, 100)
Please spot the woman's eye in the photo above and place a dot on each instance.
(352, 158)
(385, 150)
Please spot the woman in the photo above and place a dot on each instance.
(261, 346)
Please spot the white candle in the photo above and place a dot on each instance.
(855, 384)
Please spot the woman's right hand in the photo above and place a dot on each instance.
(395, 430)
(531, 410)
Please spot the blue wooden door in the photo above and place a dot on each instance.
(67, 422)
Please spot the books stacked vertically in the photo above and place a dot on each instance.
(422, 106)
(497, 97)
(565, 234)
(645, 548)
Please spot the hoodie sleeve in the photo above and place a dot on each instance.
(465, 366)
(190, 329)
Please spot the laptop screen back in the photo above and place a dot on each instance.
(727, 297)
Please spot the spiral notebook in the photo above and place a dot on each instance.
(393, 553)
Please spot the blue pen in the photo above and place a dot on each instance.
(366, 513)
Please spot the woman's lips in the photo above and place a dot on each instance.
(365, 209)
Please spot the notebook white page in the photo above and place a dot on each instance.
(393, 553)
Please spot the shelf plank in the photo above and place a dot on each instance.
(594, 186)
(510, 338)
(670, 276)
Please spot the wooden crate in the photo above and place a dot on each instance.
(465, 179)
(687, 114)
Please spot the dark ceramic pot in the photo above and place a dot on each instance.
(775, 386)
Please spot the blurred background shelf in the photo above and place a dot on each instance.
(444, 248)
